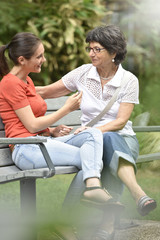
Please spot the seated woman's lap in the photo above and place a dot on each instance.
(29, 156)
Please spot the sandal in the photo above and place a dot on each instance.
(104, 235)
(95, 202)
(145, 209)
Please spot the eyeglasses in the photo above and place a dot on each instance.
(95, 49)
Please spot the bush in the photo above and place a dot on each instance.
(61, 25)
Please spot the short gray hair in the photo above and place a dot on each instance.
(111, 38)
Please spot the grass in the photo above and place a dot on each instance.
(150, 183)
(51, 192)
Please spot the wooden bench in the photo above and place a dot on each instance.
(9, 172)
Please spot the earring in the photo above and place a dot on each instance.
(113, 60)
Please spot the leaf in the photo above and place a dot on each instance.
(69, 34)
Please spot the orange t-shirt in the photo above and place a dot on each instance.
(15, 94)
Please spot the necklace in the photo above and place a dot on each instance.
(107, 77)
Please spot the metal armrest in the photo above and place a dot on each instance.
(40, 142)
(48, 160)
(22, 140)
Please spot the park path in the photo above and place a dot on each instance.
(131, 230)
(138, 230)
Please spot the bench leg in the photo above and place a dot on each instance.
(28, 206)
(28, 196)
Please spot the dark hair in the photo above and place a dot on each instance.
(22, 44)
(111, 38)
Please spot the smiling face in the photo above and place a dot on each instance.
(102, 58)
(35, 62)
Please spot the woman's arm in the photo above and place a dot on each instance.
(33, 124)
(123, 116)
(53, 90)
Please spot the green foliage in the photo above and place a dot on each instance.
(141, 25)
(61, 25)
(150, 143)
(149, 74)
(14, 17)
(138, 109)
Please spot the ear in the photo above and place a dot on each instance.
(114, 55)
(21, 60)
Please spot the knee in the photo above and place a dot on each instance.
(108, 135)
(125, 165)
(95, 133)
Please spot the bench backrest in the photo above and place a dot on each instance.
(5, 153)
(72, 119)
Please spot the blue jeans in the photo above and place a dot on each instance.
(83, 150)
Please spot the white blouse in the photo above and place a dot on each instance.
(86, 79)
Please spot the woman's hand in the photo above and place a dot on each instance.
(60, 131)
(78, 130)
(74, 101)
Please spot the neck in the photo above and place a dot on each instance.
(19, 73)
(107, 74)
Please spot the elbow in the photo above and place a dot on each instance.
(41, 91)
(33, 128)
(121, 127)
(33, 131)
(122, 124)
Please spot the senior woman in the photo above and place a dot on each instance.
(99, 81)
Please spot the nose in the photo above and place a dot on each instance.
(44, 59)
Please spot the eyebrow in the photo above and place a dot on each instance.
(40, 55)
(95, 46)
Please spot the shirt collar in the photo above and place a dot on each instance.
(115, 81)
(93, 74)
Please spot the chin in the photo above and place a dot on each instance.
(38, 70)
(94, 63)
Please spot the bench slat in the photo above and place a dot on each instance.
(12, 173)
(2, 133)
(1, 124)
(148, 157)
(65, 170)
(54, 104)
(146, 128)
(5, 157)
(71, 119)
